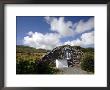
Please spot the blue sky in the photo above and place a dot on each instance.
(48, 32)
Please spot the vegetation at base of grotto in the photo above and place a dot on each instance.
(29, 60)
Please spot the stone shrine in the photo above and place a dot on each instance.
(64, 56)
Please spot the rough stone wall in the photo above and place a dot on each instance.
(59, 53)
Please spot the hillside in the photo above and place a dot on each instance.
(26, 53)
(27, 49)
(40, 61)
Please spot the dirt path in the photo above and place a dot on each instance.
(73, 70)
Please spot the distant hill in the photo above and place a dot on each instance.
(27, 49)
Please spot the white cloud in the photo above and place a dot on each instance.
(82, 26)
(76, 42)
(85, 40)
(59, 25)
(61, 29)
(30, 33)
(52, 40)
(39, 40)
(67, 28)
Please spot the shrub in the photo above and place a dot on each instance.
(87, 62)
(45, 68)
(36, 67)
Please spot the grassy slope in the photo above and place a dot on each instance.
(29, 53)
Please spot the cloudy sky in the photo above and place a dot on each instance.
(48, 32)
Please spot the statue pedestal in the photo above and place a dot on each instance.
(61, 63)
